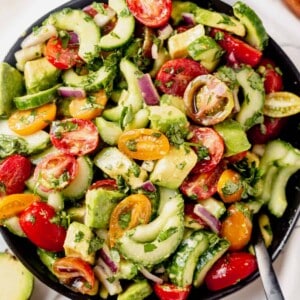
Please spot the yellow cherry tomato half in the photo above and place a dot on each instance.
(25, 122)
(230, 187)
(130, 212)
(14, 204)
(89, 107)
(144, 144)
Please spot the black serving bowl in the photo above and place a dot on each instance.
(282, 227)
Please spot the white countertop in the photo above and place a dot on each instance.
(282, 26)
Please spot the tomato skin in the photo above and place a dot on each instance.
(230, 269)
(270, 129)
(168, 291)
(14, 171)
(62, 58)
(144, 144)
(107, 184)
(242, 52)
(74, 136)
(211, 143)
(203, 185)
(35, 221)
(151, 13)
(175, 75)
(55, 171)
(70, 269)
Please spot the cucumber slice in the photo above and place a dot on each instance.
(13, 225)
(109, 131)
(123, 30)
(16, 281)
(30, 101)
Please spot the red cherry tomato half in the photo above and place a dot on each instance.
(62, 57)
(270, 129)
(175, 75)
(14, 171)
(55, 172)
(74, 136)
(107, 184)
(168, 291)
(73, 269)
(230, 269)
(210, 149)
(242, 52)
(152, 13)
(37, 223)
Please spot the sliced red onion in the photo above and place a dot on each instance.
(188, 18)
(148, 186)
(213, 223)
(165, 32)
(74, 40)
(148, 90)
(39, 36)
(105, 255)
(154, 51)
(151, 276)
(68, 91)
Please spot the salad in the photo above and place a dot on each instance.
(139, 145)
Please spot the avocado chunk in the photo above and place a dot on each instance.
(40, 75)
(11, 85)
(179, 7)
(16, 281)
(138, 290)
(99, 206)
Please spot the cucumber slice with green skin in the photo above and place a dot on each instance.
(138, 290)
(256, 34)
(109, 131)
(30, 101)
(16, 281)
(251, 111)
(184, 261)
(208, 258)
(47, 258)
(13, 225)
(123, 30)
(85, 27)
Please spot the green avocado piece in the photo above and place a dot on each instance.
(16, 281)
(178, 7)
(11, 85)
(40, 75)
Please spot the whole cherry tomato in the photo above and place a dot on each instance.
(168, 291)
(230, 269)
(37, 222)
(174, 76)
(14, 171)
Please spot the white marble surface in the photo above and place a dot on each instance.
(283, 27)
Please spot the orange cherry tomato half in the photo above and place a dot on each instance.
(14, 204)
(88, 108)
(130, 212)
(70, 270)
(230, 187)
(237, 226)
(144, 144)
(25, 122)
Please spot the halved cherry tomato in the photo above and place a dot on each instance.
(272, 78)
(202, 186)
(237, 226)
(270, 129)
(210, 148)
(230, 186)
(168, 291)
(230, 269)
(74, 136)
(242, 52)
(108, 184)
(14, 171)
(55, 171)
(152, 13)
(14, 204)
(25, 122)
(175, 75)
(37, 223)
(130, 212)
(90, 107)
(62, 57)
(144, 144)
(76, 274)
